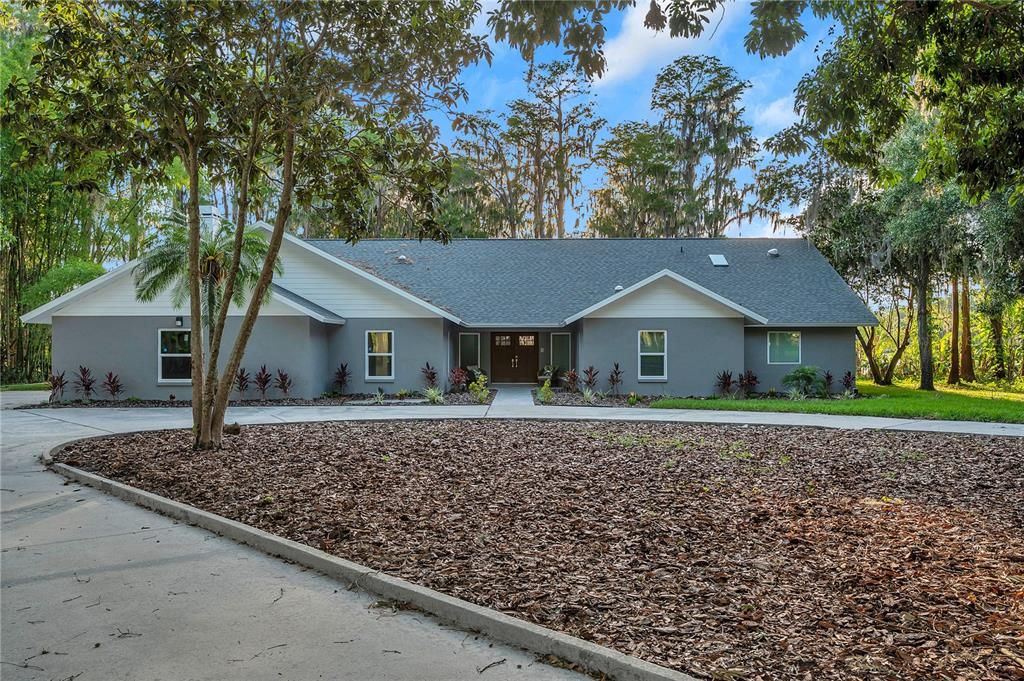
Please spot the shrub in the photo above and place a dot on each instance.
(479, 388)
(241, 381)
(85, 382)
(589, 396)
(615, 378)
(262, 380)
(590, 377)
(546, 394)
(571, 380)
(849, 382)
(826, 383)
(748, 382)
(725, 382)
(112, 384)
(632, 399)
(434, 395)
(283, 382)
(458, 378)
(429, 375)
(57, 384)
(802, 379)
(341, 377)
(403, 393)
(378, 397)
(796, 394)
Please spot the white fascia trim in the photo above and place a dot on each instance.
(524, 326)
(43, 313)
(364, 274)
(678, 278)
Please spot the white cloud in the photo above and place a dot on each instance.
(636, 49)
(777, 115)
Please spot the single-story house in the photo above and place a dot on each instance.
(672, 313)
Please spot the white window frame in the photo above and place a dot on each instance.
(551, 349)
(799, 348)
(367, 355)
(160, 356)
(465, 333)
(639, 356)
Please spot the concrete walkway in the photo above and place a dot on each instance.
(96, 587)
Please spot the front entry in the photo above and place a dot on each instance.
(514, 357)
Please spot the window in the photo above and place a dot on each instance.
(175, 361)
(783, 347)
(380, 355)
(561, 353)
(503, 341)
(469, 349)
(527, 341)
(653, 357)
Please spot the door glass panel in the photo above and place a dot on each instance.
(503, 341)
(527, 340)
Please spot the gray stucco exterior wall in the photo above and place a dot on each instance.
(697, 349)
(416, 342)
(828, 349)
(128, 346)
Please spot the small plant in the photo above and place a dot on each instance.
(283, 382)
(262, 380)
(458, 378)
(546, 394)
(796, 394)
(725, 382)
(85, 382)
(241, 381)
(826, 383)
(112, 384)
(479, 389)
(803, 379)
(849, 382)
(748, 382)
(589, 396)
(171, 397)
(615, 378)
(429, 375)
(434, 395)
(341, 377)
(632, 399)
(848, 395)
(590, 377)
(57, 384)
(378, 397)
(571, 380)
(403, 394)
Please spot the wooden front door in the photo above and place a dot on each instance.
(514, 357)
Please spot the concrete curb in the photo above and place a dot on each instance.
(501, 627)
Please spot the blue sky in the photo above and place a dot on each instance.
(635, 56)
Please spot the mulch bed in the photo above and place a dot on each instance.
(449, 399)
(564, 398)
(728, 552)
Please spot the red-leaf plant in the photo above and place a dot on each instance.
(458, 378)
(615, 378)
(262, 380)
(241, 381)
(590, 377)
(112, 384)
(85, 382)
(341, 377)
(57, 384)
(283, 382)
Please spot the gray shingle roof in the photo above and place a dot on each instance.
(328, 316)
(543, 282)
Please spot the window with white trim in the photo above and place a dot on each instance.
(784, 347)
(653, 355)
(174, 363)
(469, 349)
(561, 351)
(380, 355)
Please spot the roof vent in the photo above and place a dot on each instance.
(773, 252)
(403, 258)
(618, 288)
(718, 260)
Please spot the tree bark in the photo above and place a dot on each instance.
(966, 349)
(200, 426)
(867, 344)
(924, 335)
(995, 321)
(954, 344)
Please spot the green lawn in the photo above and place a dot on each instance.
(962, 403)
(25, 386)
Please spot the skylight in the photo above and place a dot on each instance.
(718, 260)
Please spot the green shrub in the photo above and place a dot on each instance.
(803, 379)
(546, 394)
(434, 395)
(632, 399)
(478, 388)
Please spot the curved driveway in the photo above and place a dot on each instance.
(98, 587)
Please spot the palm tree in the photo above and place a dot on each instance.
(166, 266)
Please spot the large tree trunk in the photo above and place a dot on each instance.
(995, 321)
(867, 344)
(924, 335)
(200, 426)
(966, 350)
(954, 344)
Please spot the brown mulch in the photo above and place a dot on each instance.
(467, 398)
(728, 552)
(336, 401)
(565, 398)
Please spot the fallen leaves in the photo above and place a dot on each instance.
(728, 552)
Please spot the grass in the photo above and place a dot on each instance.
(960, 403)
(25, 386)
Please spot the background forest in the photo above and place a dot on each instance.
(904, 172)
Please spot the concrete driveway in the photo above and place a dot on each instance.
(94, 588)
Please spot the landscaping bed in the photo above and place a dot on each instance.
(565, 398)
(363, 399)
(727, 552)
